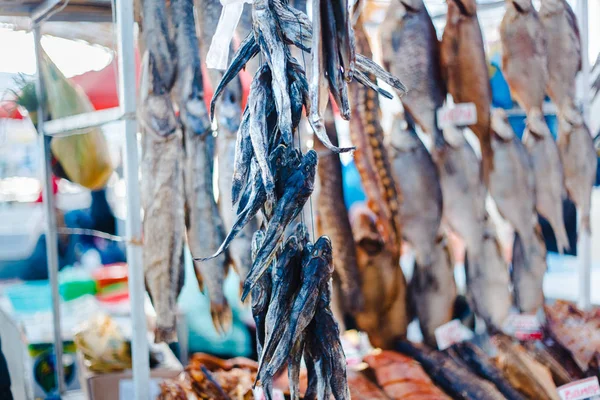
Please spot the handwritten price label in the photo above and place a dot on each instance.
(461, 114)
(450, 333)
(524, 327)
(579, 390)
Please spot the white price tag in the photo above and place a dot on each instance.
(583, 389)
(450, 333)
(524, 327)
(260, 395)
(127, 391)
(461, 114)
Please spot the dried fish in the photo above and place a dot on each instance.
(575, 330)
(412, 52)
(559, 374)
(298, 188)
(466, 70)
(384, 316)
(316, 270)
(579, 160)
(524, 60)
(512, 183)
(564, 56)
(549, 182)
(460, 383)
(163, 202)
(199, 157)
(401, 377)
(261, 295)
(433, 291)
(523, 372)
(372, 159)
(418, 180)
(479, 363)
(489, 282)
(528, 273)
(333, 220)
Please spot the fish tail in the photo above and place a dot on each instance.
(221, 316)
(562, 240)
(536, 123)
(572, 115)
(165, 334)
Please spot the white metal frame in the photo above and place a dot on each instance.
(68, 126)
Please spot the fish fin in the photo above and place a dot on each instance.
(536, 124)
(165, 334)
(221, 316)
(366, 65)
(319, 129)
(364, 80)
(572, 115)
(247, 50)
(199, 278)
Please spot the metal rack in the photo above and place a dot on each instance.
(95, 10)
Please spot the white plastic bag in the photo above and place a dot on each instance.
(218, 53)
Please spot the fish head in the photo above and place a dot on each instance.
(257, 240)
(466, 7)
(413, 5)
(323, 251)
(229, 111)
(309, 164)
(521, 6)
(364, 229)
(301, 233)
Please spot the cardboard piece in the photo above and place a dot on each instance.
(108, 386)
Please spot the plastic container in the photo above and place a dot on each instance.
(21, 227)
(74, 283)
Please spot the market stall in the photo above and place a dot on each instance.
(409, 289)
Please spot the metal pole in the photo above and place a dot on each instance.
(127, 94)
(50, 211)
(585, 266)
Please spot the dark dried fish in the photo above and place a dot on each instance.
(257, 103)
(316, 271)
(285, 278)
(261, 294)
(247, 50)
(460, 383)
(297, 191)
(479, 363)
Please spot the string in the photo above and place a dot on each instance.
(310, 198)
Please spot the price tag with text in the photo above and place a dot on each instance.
(524, 327)
(579, 390)
(460, 114)
(450, 333)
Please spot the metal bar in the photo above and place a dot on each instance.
(585, 254)
(127, 85)
(41, 11)
(50, 211)
(70, 125)
(547, 109)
